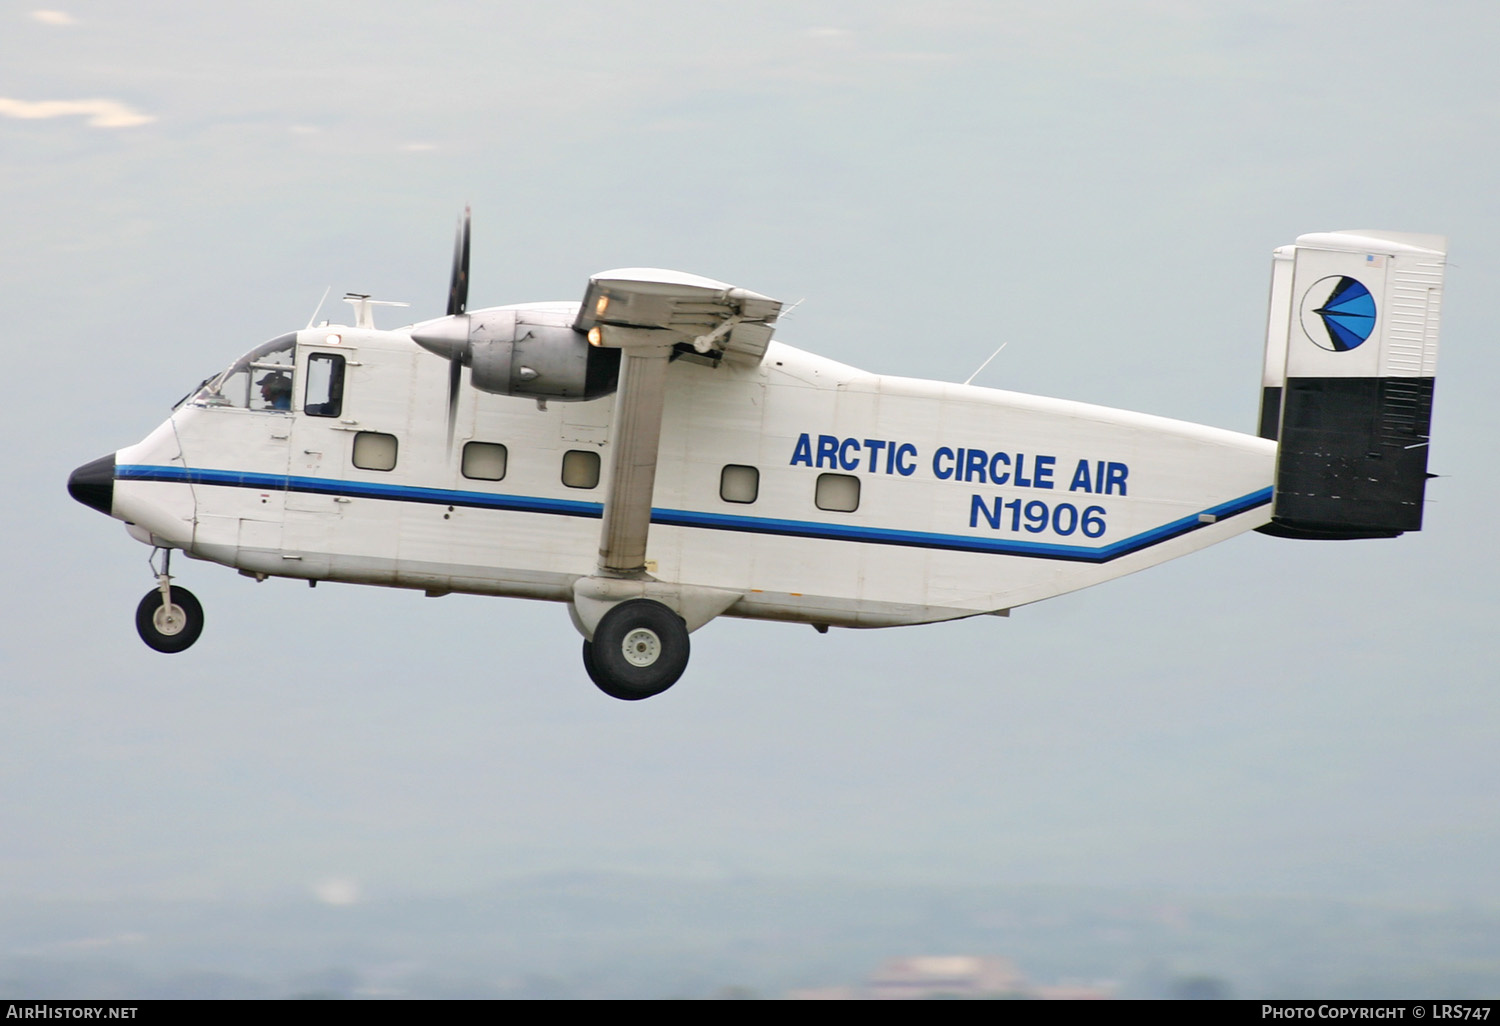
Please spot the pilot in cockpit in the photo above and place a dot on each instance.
(276, 390)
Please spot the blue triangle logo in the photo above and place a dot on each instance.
(1348, 314)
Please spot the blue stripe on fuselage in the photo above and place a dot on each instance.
(698, 519)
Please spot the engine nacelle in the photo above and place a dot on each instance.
(533, 352)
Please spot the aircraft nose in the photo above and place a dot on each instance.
(93, 484)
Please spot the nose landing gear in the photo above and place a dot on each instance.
(168, 619)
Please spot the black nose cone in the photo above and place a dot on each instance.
(93, 484)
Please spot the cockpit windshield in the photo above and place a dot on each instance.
(259, 380)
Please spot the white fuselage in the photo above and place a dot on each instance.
(969, 500)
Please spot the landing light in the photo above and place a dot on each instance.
(601, 306)
(596, 337)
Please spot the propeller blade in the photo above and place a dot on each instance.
(458, 288)
(455, 374)
(458, 303)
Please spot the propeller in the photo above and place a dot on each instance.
(448, 336)
(458, 303)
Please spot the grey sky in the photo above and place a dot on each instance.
(1100, 185)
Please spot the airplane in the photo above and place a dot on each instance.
(650, 458)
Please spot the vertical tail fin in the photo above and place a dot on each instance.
(1351, 350)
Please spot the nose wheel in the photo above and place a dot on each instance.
(168, 619)
(169, 624)
(640, 648)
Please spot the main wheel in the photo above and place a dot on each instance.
(640, 648)
(602, 683)
(169, 628)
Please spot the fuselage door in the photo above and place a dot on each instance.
(319, 436)
(314, 506)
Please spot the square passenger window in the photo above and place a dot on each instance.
(739, 483)
(580, 468)
(374, 451)
(484, 461)
(838, 493)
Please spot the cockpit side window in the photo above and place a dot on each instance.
(325, 385)
(259, 380)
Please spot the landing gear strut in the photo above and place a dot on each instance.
(640, 648)
(168, 619)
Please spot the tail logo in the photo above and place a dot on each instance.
(1338, 313)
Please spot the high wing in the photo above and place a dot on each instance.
(677, 308)
(645, 312)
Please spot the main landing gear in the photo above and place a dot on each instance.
(640, 648)
(168, 619)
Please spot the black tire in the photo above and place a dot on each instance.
(640, 649)
(172, 632)
(602, 683)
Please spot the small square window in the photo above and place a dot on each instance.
(838, 493)
(374, 451)
(484, 461)
(580, 468)
(739, 483)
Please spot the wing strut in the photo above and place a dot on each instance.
(645, 312)
(636, 437)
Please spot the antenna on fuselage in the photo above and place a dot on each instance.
(985, 364)
(319, 308)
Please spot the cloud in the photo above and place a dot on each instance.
(54, 17)
(337, 891)
(101, 113)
